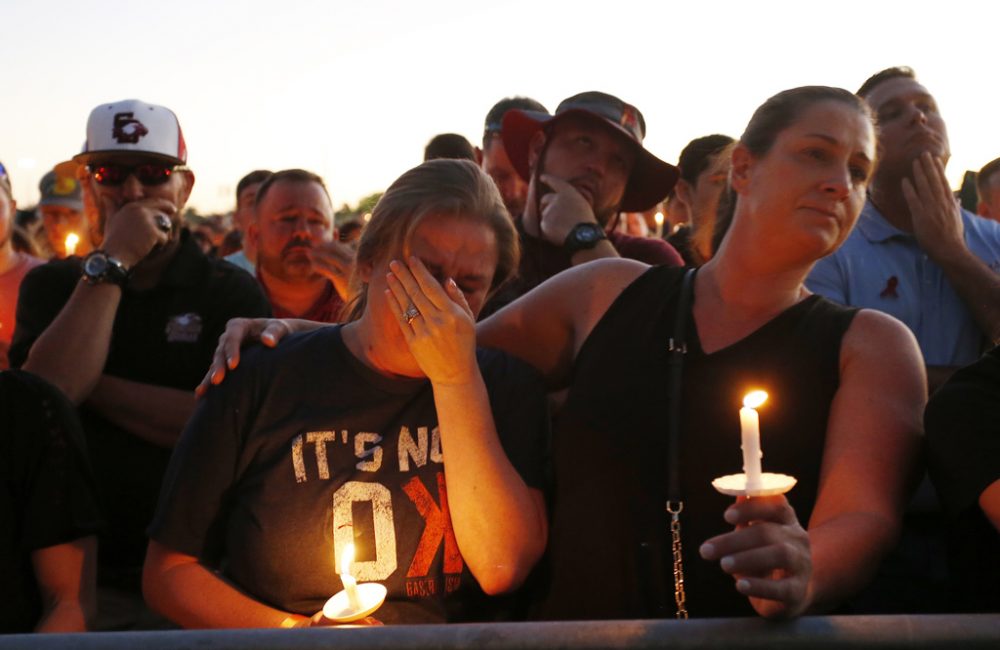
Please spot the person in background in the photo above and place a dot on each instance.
(127, 331)
(48, 511)
(63, 218)
(988, 190)
(293, 216)
(246, 197)
(350, 232)
(915, 254)
(704, 167)
(493, 157)
(583, 166)
(449, 145)
(14, 265)
(963, 458)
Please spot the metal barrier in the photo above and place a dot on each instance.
(814, 633)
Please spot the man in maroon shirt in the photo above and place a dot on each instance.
(293, 222)
(583, 166)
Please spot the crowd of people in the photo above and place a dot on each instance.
(505, 395)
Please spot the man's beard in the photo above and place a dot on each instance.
(288, 270)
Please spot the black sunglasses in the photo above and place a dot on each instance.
(113, 175)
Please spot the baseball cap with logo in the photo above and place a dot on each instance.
(132, 126)
(61, 190)
(651, 178)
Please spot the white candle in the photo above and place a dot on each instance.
(750, 437)
(72, 240)
(658, 217)
(350, 584)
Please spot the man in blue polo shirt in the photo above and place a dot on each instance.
(914, 253)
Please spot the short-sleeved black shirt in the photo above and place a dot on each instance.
(47, 495)
(304, 449)
(963, 443)
(165, 337)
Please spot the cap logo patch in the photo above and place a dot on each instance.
(64, 186)
(630, 118)
(184, 328)
(127, 129)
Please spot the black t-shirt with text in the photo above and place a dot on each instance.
(304, 449)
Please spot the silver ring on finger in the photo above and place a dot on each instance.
(163, 222)
(411, 313)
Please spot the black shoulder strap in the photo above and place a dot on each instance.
(677, 347)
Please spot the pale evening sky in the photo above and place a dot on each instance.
(353, 91)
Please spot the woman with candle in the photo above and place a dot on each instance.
(846, 387)
(844, 414)
(391, 433)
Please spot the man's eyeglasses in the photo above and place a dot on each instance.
(113, 175)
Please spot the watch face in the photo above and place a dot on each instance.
(587, 234)
(95, 265)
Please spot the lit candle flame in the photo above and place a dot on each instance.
(658, 217)
(754, 399)
(72, 240)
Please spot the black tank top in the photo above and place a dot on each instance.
(609, 545)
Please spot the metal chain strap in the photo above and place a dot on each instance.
(674, 508)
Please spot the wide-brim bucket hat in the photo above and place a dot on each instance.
(651, 179)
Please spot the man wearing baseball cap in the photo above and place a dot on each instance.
(493, 157)
(584, 164)
(61, 210)
(127, 331)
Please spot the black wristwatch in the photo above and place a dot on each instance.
(583, 236)
(99, 267)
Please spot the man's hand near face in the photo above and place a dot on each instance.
(131, 232)
(334, 261)
(562, 209)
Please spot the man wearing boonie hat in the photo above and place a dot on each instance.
(583, 164)
(128, 331)
(61, 210)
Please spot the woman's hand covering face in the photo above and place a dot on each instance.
(442, 338)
